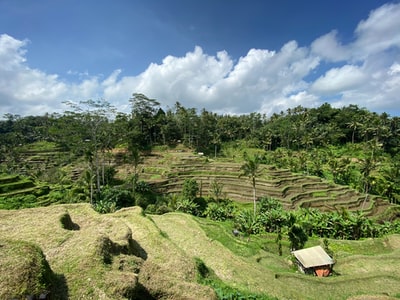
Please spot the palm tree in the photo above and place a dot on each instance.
(251, 169)
(354, 125)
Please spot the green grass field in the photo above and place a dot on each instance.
(126, 252)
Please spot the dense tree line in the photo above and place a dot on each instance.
(148, 124)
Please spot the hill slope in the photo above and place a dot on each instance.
(126, 255)
(168, 170)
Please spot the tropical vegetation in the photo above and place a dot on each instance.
(93, 153)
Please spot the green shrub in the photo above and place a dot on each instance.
(143, 200)
(121, 197)
(104, 206)
(187, 206)
(142, 187)
(163, 209)
(190, 189)
(17, 202)
(246, 222)
(57, 196)
(220, 211)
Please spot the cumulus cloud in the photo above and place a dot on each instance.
(219, 84)
(340, 80)
(365, 71)
(329, 48)
(21, 86)
(379, 32)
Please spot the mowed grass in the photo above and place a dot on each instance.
(104, 256)
(127, 253)
(255, 266)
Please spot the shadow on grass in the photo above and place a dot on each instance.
(59, 288)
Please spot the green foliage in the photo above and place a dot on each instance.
(248, 223)
(268, 203)
(187, 206)
(112, 199)
(18, 202)
(190, 189)
(57, 196)
(251, 169)
(297, 237)
(143, 195)
(216, 189)
(226, 292)
(108, 175)
(220, 211)
(142, 187)
(103, 206)
(144, 200)
(121, 197)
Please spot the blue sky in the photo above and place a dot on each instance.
(228, 56)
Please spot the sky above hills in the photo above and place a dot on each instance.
(227, 56)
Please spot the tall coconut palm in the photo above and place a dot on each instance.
(251, 169)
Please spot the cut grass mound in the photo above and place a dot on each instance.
(24, 271)
(128, 255)
(115, 256)
(167, 272)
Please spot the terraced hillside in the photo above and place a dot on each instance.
(16, 187)
(40, 157)
(168, 171)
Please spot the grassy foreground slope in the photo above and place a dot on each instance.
(264, 272)
(126, 255)
(116, 256)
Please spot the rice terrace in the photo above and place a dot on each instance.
(188, 205)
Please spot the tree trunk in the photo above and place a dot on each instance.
(254, 197)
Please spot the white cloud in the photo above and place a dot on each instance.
(394, 69)
(339, 80)
(379, 32)
(329, 48)
(11, 53)
(366, 73)
(21, 86)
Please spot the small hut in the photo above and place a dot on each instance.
(314, 260)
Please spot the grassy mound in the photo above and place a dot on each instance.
(127, 255)
(116, 256)
(24, 270)
(365, 267)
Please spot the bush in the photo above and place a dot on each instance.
(144, 200)
(56, 196)
(220, 211)
(268, 203)
(104, 206)
(187, 206)
(121, 197)
(17, 202)
(247, 223)
(142, 187)
(190, 189)
(163, 209)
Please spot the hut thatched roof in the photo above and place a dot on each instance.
(313, 257)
